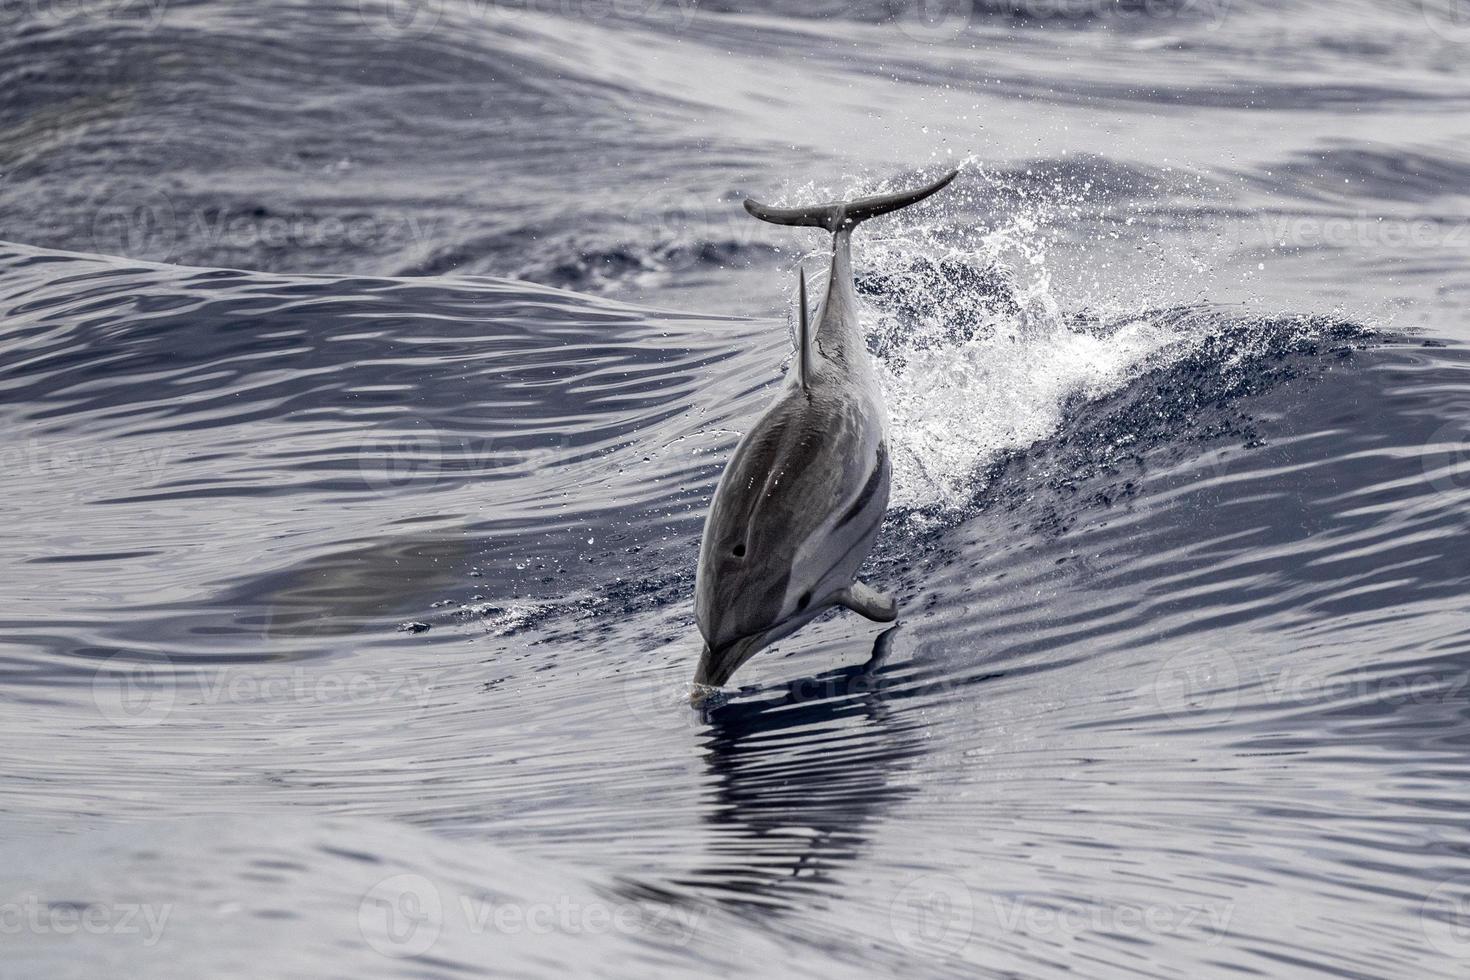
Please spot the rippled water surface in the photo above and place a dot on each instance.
(366, 371)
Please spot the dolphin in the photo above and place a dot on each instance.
(801, 500)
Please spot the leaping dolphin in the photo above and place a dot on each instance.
(802, 498)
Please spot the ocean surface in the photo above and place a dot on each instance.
(366, 371)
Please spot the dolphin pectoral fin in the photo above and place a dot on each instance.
(866, 601)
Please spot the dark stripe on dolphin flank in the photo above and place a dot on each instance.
(870, 489)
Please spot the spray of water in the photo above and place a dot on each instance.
(976, 356)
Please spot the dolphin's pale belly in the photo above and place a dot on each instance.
(795, 513)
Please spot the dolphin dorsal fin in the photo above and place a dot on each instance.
(803, 331)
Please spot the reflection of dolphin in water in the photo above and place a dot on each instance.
(798, 775)
(803, 496)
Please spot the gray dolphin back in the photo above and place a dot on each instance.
(803, 495)
(837, 215)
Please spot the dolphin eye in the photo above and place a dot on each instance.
(740, 551)
(804, 601)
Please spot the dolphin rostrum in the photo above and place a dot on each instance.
(802, 498)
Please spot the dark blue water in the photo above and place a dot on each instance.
(347, 619)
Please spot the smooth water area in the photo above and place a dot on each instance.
(348, 622)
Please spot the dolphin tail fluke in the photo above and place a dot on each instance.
(839, 215)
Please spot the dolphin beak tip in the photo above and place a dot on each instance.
(707, 676)
(716, 666)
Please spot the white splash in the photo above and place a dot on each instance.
(976, 358)
(955, 409)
